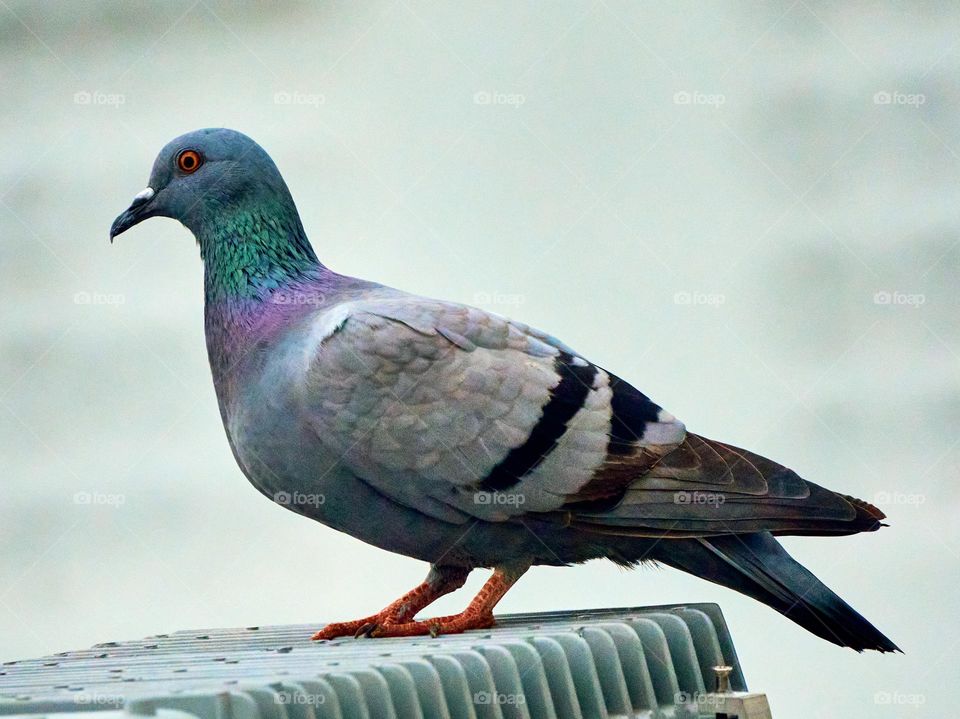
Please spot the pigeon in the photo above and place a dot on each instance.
(459, 437)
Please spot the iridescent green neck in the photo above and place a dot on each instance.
(251, 250)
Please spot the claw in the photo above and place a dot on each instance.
(366, 630)
(343, 629)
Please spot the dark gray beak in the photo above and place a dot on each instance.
(139, 210)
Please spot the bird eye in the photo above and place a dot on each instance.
(189, 161)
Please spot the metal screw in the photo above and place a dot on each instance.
(723, 679)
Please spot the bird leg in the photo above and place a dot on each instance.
(477, 615)
(440, 581)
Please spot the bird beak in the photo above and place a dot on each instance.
(138, 211)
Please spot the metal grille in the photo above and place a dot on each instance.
(639, 662)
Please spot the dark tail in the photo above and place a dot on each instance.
(758, 566)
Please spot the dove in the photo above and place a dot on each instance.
(459, 437)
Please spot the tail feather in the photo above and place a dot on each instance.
(758, 566)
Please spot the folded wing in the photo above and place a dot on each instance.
(463, 414)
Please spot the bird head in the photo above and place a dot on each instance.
(199, 175)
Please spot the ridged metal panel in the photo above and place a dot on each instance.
(638, 662)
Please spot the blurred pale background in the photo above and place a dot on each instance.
(750, 211)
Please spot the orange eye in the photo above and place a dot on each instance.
(189, 161)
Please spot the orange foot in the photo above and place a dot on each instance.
(440, 581)
(396, 620)
(453, 624)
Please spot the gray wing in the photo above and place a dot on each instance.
(462, 414)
